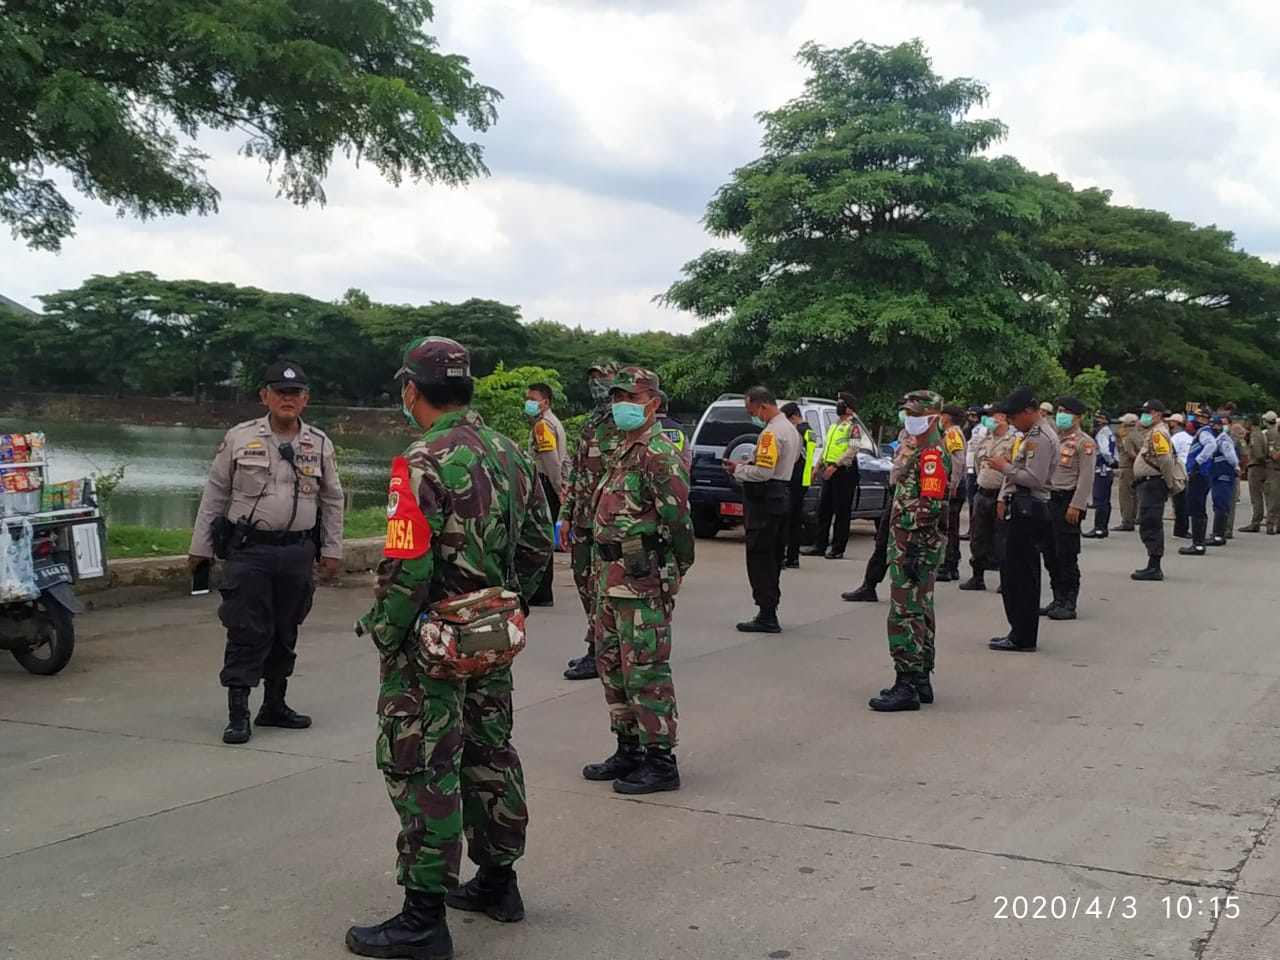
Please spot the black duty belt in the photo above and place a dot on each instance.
(1062, 494)
(1147, 479)
(989, 491)
(273, 538)
(613, 551)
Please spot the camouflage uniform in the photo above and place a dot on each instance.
(641, 506)
(444, 745)
(599, 437)
(919, 499)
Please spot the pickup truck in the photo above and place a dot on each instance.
(725, 432)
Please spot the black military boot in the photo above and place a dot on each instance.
(944, 574)
(238, 729)
(1196, 547)
(923, 685)
(901, 696)
(975, 582)
(1219, 530)
(1066, 609)
(1151, 571)
(1250, 528)
(275, 712)
(766, 621)
(658, 773)
(1057, 602)
(584, 668)
(864, 594)
(418, 932)
(493, 892)
(625, 759)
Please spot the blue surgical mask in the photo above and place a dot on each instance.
(629, 416)
(1063, 420)
(404, 408)
(989, 422)
(531, 408)
(757, 421)
(1146, 419)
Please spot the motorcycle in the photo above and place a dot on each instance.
(40, 631)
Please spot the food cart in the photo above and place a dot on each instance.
(52, 536)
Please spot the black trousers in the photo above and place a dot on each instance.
(266, 594)
(954, 505)
(1102, 501)
(766, 509)
(837, 505)
(1181, 518)
(1062, 549)
(543, 593)
(1151, 495)
(795, 522)
(984, 548)
(878, 562)
(1020, 572)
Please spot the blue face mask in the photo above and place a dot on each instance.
(629, 416)
(757, 421)
(1063, 420)
(989, 422)
(404, 408)
(1146, 419)
(531, 408)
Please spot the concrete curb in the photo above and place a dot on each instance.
(156, 578)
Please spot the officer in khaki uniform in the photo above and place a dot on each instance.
(547, 450)
(1129, 441)
(272, 498)
(1153, 476)
(1272, 434)
(1070, 486)
(986, 533)
(766, 505)
(1255, 467)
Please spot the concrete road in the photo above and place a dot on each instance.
(1126, 773)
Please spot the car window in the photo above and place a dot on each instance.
(723, 423)
(828, 420)
(865, 442)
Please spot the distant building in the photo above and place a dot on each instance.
(14, 305)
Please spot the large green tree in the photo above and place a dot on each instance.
(114, 91)
(879, 249)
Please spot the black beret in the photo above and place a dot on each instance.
(1072, 405)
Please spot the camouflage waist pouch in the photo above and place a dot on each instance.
(472, 633)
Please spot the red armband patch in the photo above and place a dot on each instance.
(933, 475)
(408, 533)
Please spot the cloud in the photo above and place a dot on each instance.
(621, 118)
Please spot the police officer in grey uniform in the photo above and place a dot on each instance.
(272, 502)
(766, 502)
(1024, 507)
(1070, 486)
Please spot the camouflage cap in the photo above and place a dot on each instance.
(921, 401)
(609, 368)
(636, 380)
(432, 357)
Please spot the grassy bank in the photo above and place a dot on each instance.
(124, 542)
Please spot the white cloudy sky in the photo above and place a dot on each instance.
(621, 117)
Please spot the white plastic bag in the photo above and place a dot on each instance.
(17, 567)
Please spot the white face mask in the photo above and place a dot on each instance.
(917, 425)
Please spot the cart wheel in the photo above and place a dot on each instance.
(57, 641)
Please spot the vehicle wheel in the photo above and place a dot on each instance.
(57, 641)
(705, 524)
(742, 448)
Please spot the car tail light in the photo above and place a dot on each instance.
(42, 548)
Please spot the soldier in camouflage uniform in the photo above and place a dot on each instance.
(444, 746)
(643, 548)
(599, 436)
(915, 550)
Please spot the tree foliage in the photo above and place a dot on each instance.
(114, 93)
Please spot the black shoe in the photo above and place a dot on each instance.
(761, 624)
(627, 758)
(901, 696)
(944, 575)
(975, 582)
(238, 729)
(584, 668)
(1049, 608)
(1192, 550)
(1095, 534)
(1181, 536)
(1250, 528)
(492, 891)
(657, 774)
(419, 932)
(1149, 572)
(812, 551)
(275, 712)
(791, 565)
(1124, 528)
(1217, 541)
(923, 685)
(832, 555)
(1066, 610)
(1007, 643)
(864, 594)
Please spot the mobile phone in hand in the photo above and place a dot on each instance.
(200, 579)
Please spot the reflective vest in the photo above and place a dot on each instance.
(837, 442)
(810, 451)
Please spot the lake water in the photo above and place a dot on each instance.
(166, 466)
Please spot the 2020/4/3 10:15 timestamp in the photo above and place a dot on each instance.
(1185, 908)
